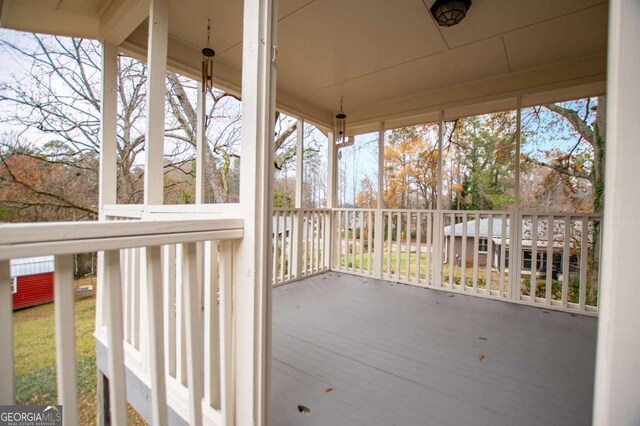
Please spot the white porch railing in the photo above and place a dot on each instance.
(158, 280)
(475, 252)
(301, 243)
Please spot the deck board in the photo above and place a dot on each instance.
(397, 354)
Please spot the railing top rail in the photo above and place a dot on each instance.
(350, 209)
(137, 210)
(561, 214)
(304, 209)
(23, 240)
(478, 212)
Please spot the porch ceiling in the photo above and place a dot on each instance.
(388, 59)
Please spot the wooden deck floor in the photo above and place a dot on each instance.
(400, 355)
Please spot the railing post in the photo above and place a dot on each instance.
(115, 337)
(336, 239)
(378, 249)
(378, 243)
(64, 297)
(437, 217)
(296, 239)
(227, 392)
(327, 238)
(156, 335)
(193, 329)
(211, 324)
(7, 377)
(515, 238)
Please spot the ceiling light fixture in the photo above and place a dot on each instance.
(450, 12)
(207, 62)
(341, 123)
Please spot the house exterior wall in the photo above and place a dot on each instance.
(33, 290)
(457, 249)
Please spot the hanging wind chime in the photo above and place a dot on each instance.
(341, 123)
(207, 62)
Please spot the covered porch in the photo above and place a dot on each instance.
(356, 350)
(242, 313)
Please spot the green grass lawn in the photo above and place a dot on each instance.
(348, 261)
(35, 358)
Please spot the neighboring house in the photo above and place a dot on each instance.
(32, 281)
(482, 230)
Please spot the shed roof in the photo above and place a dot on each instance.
(32, 265)
(527, 230)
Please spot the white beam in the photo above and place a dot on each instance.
(252, 313)
(332, 172)
(108, 126)
(108, 178)
(515, 230)
(299, 163)
(120, 18)
(438, 220)
(201, 145)
(157, 71)
(617, 385)
(379, 226)
(381, 129)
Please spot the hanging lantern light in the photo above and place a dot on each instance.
(341, 122)
(207, 62)
(450, 12)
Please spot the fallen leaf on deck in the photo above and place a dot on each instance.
(303, 410)
(327, 390)
(481, 357)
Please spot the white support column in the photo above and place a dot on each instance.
(438, 241)
(252, 271)
(108, 180)
(515, 237)
(156, 89)
(331, 230)
(617, 379)
(379, 225)
(201, 145)
(299, 163)
(108, 127)
(332, 173)
(381, 130)
(296, 225)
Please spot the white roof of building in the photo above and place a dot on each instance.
(32, 265)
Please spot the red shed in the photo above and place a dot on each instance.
(32, 281)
